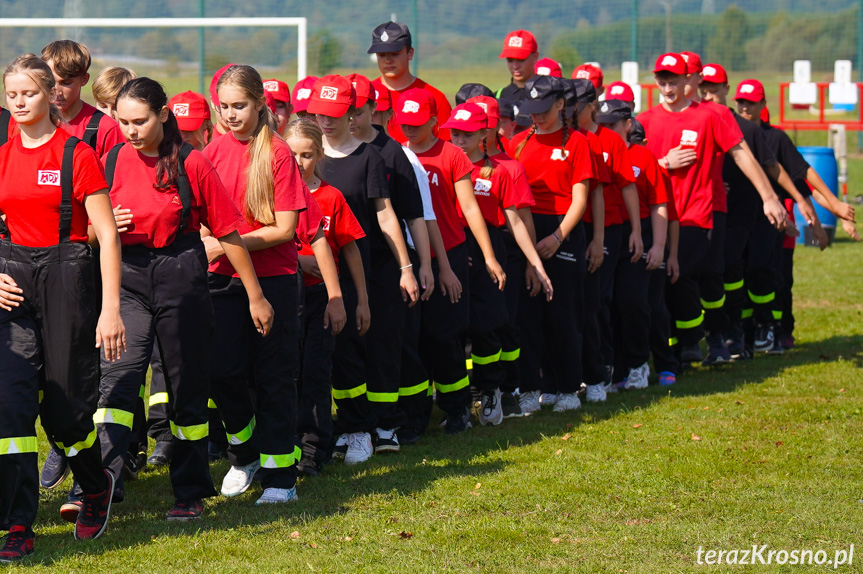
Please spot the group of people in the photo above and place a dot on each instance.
(363, 247)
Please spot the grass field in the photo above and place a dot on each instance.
(765, 452)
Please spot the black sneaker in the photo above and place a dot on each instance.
(735, 342)
(141, 458)
(95, 511)
(717, 352)
(777, 348)
(454, 424)
(763, 338)
(184, 510)
(18, 544)
(690, 354)
(386, 440)
(510, 406)
(56, 468)
(130, 466)
(408, 436)
(308, 467)
(162, 453)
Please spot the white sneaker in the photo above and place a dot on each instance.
(277, 496)
(529, 402)
(637, 378)
(359, 447)
(239, 479)
(595, 393)
(548, 399)
(567, 402)
(491, 411)
(341, 447)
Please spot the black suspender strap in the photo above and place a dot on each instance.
(183, 186)
(67, 172)
(92, 129)
(111, 164)
(5, 116)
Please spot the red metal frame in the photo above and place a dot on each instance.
(822, 123)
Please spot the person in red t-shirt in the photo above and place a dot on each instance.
(70, 62)
(498, 197)
(558, 165)
(282, 95)
(48, 307)
(392, 45)
(337, 241)
(262, 179)
(446, 317)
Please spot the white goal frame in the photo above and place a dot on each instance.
(300, 23)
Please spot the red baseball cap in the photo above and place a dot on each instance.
(271, 101)
(547, 67)
(519, 45)
(714, 74)
(750, 90)
(671, 63)
(693, 62)
(415, 107)
(303, 93)
(363, 89)
(619, 91)
(213, 95)
(467, 117)
(588, 72)
(490, 106)
(190, 109)
(279, 89)
(382, 96)
(332, 96)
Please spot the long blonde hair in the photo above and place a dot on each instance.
(260, 183)
(309, 130)
(37, 70)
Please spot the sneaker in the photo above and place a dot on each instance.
(95, 511)
(690, 354)
(277, 496)
(239, 479)
(454, 424)
(667, 378)
(620, 386)
(595, 393)
(529, 402)
(510, 407)
(491, 411)
(341, 447)
(359, 448)
(735, 342)
(408, 436)
(387, 441)
(763, 338)
(308, 467)
(70, 509)
(548, 399)
(566, 402)
(18, 544)
(141, 459)
(130, 467)
(184, 510)
(717, 352)
(777, 348)
(608, 383)
(162, 453)
(56, 468)
(637, 378)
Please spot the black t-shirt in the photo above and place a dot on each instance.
(404, 190)
(744, 203)
(512, 93)
(788, 156)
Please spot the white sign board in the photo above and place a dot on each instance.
(803, 93)
(629, 73)
(802, 71)
(842, 71)
(843, 94)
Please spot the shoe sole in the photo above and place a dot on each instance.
(238, 493)
(387, 448)
(58, 482)
(353, 462)
(70, 512)
(112, 481)
(338, 456)
(16, 559)
(158, 461)
(182, 518)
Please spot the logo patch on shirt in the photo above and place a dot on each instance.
(181, 110)
(271, 86)
(515, 42)
(482, 186)
(688, 138)
(636, 171)
(605, 156)
(329, 93)
(49, 177)
(411, 107)
(559, 154)
(462, 115)
(326, 223)
(303, 93)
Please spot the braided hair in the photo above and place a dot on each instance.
(520, 147)
(487, 169)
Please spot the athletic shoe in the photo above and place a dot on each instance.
(510, 407)
(735, 342)
(637, 378)
(18, 544)
(341, 447)
(547, 399)
(141, 458)
(95, 511)
(387, 441)
(70, 509)
(408, 436)
(162, 453)
(308, 467)
(667, 378)
(608, 382)
(529, 402)
(717, 352)
(491, 410)
(619, 386)
(777, 348)
(690, 354)
(595, 393)
(130, 467)
(456, 423)
(277, 496)
(56, 468)
(763, 338)
(184, 510)
(566, 402)
(787, 341)
(239, 479)
(359, 448)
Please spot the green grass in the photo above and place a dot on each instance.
(764, 452)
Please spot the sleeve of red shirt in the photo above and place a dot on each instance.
(309, 220)
(344, 222)
(218, 213)
(289, 193)
(109, 135)
(461, 164)
(621, 166)
(725, 137)
(600, 169)
(521, 188)
(88, 176)
(657, 192)
(581, 164)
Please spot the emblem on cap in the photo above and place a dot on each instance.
(303, 93)
(543, 71)
(329, 93)
(271, 86)
(709, 71)
(515, 42)
(463, 115)
(181, 110)
(385, 37)
(515, 110)
(410, 107)
(747, 89)
(616, 90)
(604, 108)
(483, 105)
(582, 75)
(534, 93)
(669, 61)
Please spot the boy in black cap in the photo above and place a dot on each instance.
(392, 44)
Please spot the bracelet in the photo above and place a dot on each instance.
(559, 240)
(667, 163)
(408, 266)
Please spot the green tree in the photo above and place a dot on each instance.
(727, 46)
(324, 52)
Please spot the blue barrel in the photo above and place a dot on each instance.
(822, 161)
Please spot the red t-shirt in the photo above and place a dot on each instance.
(231, 159)
(445, 164)
(521, 188)
(649, 180)
(551, 173)
(728, 122)
(443, 109)
(619, 175)
(156, 214)
(699, 127)
(340, 224)
(30, 191)
(494, 194)
(107, 136)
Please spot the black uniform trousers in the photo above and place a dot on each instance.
(158, 427)
(711, 282)
(510, 335)
(47, 349)
(594, 361)
(684, 296)
(751, 266)
(241, 357)
(414, 392)
(631, 303)
(487, 315)
(660, 323)
(614, 239)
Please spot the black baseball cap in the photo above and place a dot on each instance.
(390, 37)
(585, 92)
(468, 91)
(612, 111)
(542, 92)
(636, 132)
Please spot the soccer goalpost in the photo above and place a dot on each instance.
(299, 23)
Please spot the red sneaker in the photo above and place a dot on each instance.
(95, 510)
(184, 510)
(19, 543)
